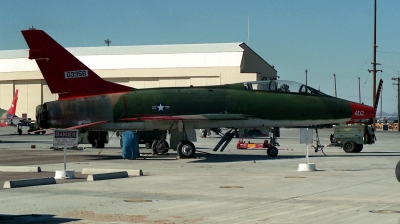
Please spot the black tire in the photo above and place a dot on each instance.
(120, 141)
(349, 146)
(273, 151)
(43, 132)
(203, 133)
(186, 149)
(148, 145)
(19, 131)
(166, 146)
(161, 149)
(98, 143)
(397, 171)
(359, 147)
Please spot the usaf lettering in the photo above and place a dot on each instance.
(76, 74)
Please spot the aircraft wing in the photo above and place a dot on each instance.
(188, 117)
(86, 125)
(75, 127)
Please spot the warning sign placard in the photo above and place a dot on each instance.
(65, 138)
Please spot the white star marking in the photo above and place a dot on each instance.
(160, 107)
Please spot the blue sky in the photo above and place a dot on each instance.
(322, 36)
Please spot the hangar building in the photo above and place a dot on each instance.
(148, 66)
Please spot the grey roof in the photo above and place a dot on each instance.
(140, 49)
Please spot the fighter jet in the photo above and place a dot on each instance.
(8, 117)
(86, 101)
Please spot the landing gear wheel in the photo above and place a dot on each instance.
(148, 145)
(273, 151)
(160, 148)
(349, 146)
(397, 171)
(19, 131)
(98, 143)
(203, 133)
(186, 149)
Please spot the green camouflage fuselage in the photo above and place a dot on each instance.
(206, 103)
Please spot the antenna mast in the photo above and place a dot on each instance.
(248, 31)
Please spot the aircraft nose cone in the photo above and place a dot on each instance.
(360, 111)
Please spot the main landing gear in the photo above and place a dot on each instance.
(98, 139)
(160, 146)
(186, 149)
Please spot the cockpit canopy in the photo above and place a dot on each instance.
(282, 86)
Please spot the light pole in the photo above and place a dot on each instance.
(381, 101)
(398, 101)
(374, 64)
(306, 76)
(359, 91)
(334, 78)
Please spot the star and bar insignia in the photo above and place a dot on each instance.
(160, 107)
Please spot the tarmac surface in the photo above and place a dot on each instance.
(234, 186)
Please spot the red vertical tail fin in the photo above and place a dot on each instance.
(13, 106)
(63, 72)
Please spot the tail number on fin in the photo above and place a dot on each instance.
(359, 113)
(76, 74)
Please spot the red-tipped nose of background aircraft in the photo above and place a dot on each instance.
(361, 111)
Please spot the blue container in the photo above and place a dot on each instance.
(386, 127)
(130, 145)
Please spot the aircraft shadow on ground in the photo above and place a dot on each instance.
(224, 158)
(37, 142)
(35, 218)
(216, 157)
(23, 134)
(103, 157)
(141, 157)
